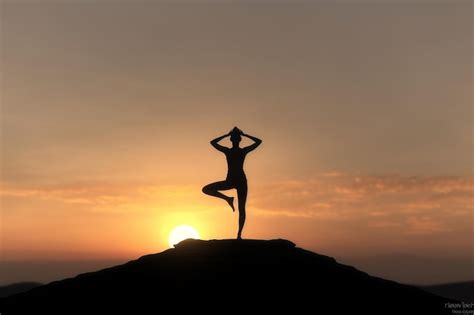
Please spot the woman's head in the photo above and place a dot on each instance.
(236, 136)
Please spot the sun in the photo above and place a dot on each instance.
(180, 233)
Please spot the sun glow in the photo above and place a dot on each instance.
(180, 233)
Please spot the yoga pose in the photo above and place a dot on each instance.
(235, 176)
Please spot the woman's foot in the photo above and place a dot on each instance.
(230, 201)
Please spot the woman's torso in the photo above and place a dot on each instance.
(235, 164)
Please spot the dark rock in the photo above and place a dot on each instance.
(222, 276)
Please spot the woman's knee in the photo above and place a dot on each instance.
(210, 189)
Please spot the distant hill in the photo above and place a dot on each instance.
(14, 288)
(462, 291)
(227, 276)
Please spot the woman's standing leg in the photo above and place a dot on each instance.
(242, 195)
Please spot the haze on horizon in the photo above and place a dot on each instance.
(365, 109)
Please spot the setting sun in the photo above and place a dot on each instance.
(181, 233)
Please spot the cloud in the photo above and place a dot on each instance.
(101, 196)
(424, 225)
(79, 193)
(414, 204)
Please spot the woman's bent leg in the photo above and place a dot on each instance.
(213, 190)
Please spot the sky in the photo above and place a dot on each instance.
(365, 109)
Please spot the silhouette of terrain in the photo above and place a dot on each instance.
(222, 276)
(462, 291)
(15, 288)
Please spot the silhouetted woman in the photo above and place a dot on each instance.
(235, 176)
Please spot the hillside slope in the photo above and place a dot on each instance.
(223, 276)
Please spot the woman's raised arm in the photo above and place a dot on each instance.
(252, 146)
(215, 143)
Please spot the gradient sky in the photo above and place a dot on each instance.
(365, 109)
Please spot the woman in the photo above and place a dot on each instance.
(235, 175)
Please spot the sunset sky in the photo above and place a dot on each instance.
(365, 109)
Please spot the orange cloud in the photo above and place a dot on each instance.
(415, 204)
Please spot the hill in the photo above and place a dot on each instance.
(14, 288)
(223, 276)
(462, 291)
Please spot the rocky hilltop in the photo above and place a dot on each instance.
(226, 276)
